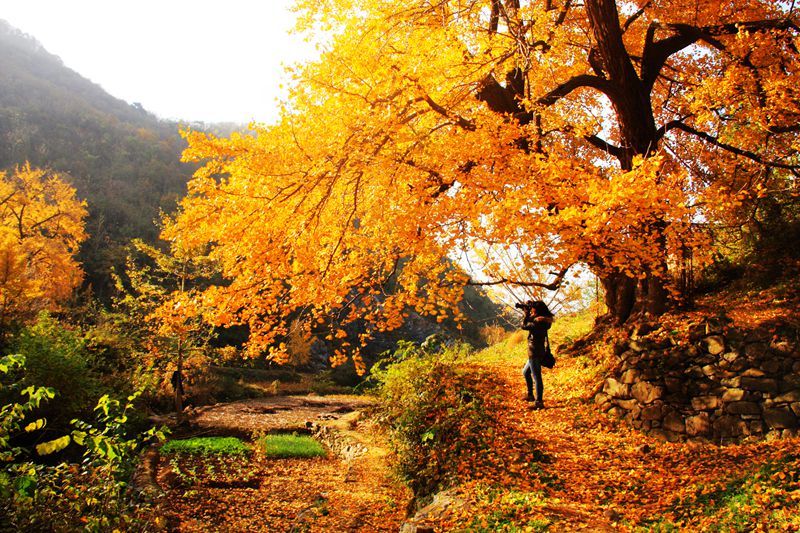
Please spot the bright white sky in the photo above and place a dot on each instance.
(194, 60)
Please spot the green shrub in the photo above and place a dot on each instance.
(93, 495)
(437, 407)
(21, 401)
(207, 446)
(287, 446)
(56, 357)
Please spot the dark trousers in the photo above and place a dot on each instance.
(533, 374)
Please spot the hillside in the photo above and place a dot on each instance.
(122, 159)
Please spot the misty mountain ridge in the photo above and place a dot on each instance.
(25, 61)
(123, 160)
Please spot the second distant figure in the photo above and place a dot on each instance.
(536, 322)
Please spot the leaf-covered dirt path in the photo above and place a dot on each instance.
(573, 468)
(599, 474)
(334, 493)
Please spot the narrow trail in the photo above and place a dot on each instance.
(598, 473)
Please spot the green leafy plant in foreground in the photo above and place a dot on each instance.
(93, 495)
(12, 415)
(287, 446)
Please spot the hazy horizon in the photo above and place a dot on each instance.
(181, 60)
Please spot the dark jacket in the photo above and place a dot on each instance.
(537, 333)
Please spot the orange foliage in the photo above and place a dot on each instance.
(400, 147)
(41, 227)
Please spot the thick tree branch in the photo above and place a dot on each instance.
(676, 124)
(784, 129)
(603, 145)
(498, 98)
(494, 17)
(583, 80)
(562, 15)
(656, 53)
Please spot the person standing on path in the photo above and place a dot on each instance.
(536, 322)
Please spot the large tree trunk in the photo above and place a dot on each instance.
(626, 296)
(630, 97)
(657, 295)
(632, 105)
(620, 295)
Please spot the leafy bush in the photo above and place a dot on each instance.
(437, 407)
(13, 413)
(93, 495)
(56, 357)
(499, 509)
(761, 498)
(286, 446)
(207, 446)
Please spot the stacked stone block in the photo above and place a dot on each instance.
(723, 385)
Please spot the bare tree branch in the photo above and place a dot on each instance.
(635, 16)
(457, 120)
(553, 285)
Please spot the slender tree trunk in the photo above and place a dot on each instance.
(178, 383)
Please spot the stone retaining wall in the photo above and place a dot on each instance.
(722, 385)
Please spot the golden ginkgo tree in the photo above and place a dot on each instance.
(601, 132)
(41, 228)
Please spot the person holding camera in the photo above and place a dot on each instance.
(536, 322)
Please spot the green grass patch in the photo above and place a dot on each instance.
(287, 446)
(207, 446)
(567, 328)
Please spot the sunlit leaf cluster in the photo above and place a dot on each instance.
(41, 227)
